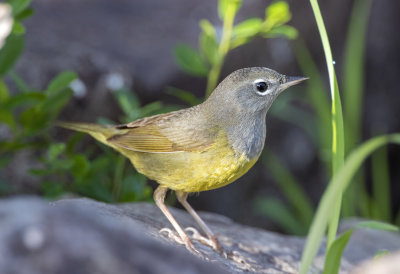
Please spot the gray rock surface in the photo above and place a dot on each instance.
(85, 236)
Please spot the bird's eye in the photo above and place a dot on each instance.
(261, 87)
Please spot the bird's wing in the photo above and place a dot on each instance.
(163, 133)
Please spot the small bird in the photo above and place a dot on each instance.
(200, 148)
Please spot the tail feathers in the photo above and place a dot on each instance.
(99, 132)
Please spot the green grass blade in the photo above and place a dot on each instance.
(336, 186)
(292, 190)
(280, 214)
(356, 197)
(337, 117)
(334, 254)
(317, 97)
(381, 185)
(353, 70)
(378, 225)
(337, 155)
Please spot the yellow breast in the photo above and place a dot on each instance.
(212, 168)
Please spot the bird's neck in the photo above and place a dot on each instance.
(245, 130)
(248, 135)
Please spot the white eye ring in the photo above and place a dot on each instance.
(261, 87)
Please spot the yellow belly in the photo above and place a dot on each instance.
(212, 168)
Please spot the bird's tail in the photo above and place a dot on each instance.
(99, 132)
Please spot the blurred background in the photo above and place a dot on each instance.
(123, 60)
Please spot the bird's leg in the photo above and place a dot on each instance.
(159, 196)
(212, 240)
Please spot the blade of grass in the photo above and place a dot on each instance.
(353, 71)
(337, 118)
(336, 186)
(280, 214)
(318, 99)
(293, 192)
(381, 184)
(334, 254)
(356, 197)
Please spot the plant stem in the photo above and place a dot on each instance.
(223, 47)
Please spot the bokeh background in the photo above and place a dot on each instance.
(131, 43)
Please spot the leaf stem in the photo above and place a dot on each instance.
(223, 48)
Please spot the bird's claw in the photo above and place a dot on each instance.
(211, 242)
(186, 242)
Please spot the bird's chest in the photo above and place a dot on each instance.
(214, 169)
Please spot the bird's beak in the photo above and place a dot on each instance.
(291, 81)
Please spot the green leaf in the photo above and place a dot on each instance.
(334, 254)
(24, 98)
(81, 165)
(61, 165)
(33, 119)
(10, 52)
(208, 41)
(318, 97)
(19, 6)
(286, 31)
(378, 225)
(55, 150)
(60, 82)
(354, 71)
(19, 82)
(336, 186)
(278, 212)
(245, 31)
(6, 117)
(56, 101)
(18, 28)
(127, 101)
(223, 5)
(381, 185)
(4, 92)
(134, 188)
(151, 109)
(208, 28)
(247, 28)
(277, 14)
(292, 190)
(40, 172)
(52, 189)
(190, 61)
(26, 13)
(184, 95)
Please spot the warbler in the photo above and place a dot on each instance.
(200, 148)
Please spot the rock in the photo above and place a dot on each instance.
(85, 236)
(386, 265)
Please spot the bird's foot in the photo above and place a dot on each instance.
(211, 241)
(185, 241)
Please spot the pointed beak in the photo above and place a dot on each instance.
(291, 81)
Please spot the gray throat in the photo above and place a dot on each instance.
(248, 136)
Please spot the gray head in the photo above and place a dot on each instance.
(249, 91)
(240, 103)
